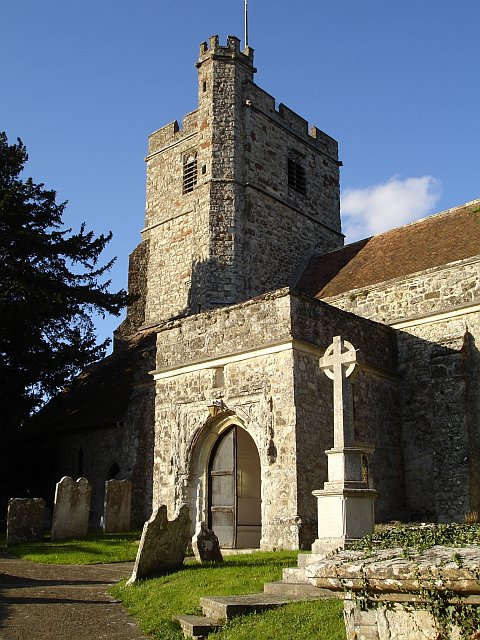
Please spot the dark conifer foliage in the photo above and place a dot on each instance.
(51, 282)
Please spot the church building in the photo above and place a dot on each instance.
(213, 396)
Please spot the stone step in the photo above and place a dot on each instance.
(219, 609)
(300, 589)
(295, 575)
(198, 626)
(303, 559)
(227, 607)
(306, 559)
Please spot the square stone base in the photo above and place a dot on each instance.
(344, 517)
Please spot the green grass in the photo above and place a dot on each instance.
(156, 602)
(321, 620)
(96, 548)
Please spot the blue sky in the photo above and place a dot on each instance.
(396, 83)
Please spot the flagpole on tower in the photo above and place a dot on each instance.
(246, 23)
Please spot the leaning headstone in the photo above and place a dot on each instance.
(346, 503)
(163, 544)
(117, 506)
(205, 545)
(71, 509)
(25, 520)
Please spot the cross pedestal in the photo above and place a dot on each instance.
(345, 504)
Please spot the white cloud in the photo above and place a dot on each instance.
(371, 210)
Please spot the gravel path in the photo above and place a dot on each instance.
(62, 602)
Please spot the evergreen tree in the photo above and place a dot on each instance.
(50, 285)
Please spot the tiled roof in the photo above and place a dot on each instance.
(100, 395)
(431, 242)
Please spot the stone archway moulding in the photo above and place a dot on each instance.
(199, 452)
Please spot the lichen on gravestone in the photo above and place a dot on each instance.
(25, 520)
(163, 544)
(71, 508)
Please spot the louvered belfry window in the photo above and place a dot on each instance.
(296, 176)
(189, 172)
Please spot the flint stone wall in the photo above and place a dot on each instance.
(280, 397)
(376, 400)
(432, 291)
(71, 509)
(439, 364)
(394, 584)
(25, 520)
(257, 392)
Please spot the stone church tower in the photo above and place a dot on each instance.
(237, 199)
(213, 396)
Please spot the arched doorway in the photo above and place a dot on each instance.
(234, 490)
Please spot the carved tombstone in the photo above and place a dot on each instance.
(71, 508)
(163, 544)
(25, 520)
(205, 545)
(117, 506)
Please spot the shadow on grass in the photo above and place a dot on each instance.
(95, 548)
(271, 560)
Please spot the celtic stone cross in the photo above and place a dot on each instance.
(346, 503)
(338, 363)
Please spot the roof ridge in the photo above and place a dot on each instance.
(445, 212)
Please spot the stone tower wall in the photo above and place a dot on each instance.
(175, 223)
(283, 227)
(241, 231)
(137, 288)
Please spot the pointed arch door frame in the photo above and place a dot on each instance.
(234, 490)
(247, 511)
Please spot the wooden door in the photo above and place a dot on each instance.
(234, 490)
(222, 490)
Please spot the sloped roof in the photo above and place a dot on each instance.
(100, 395)
(431, 242)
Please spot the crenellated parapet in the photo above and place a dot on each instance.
(172, 133)
(328, 144)
(213, 50)
(284, 117)
(299, 126)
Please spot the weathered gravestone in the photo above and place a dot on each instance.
(25, 520)
(117, 506)
(71, 508)
(205, 545)
(346, 504)
(163, 544)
